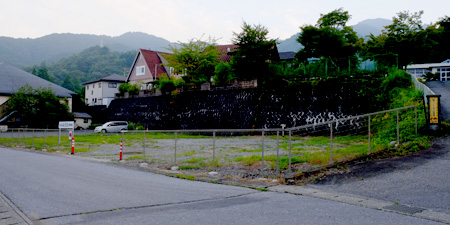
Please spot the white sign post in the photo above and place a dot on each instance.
(3, 128)
(67, 125)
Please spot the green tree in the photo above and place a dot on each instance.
(336, 19)
(38, 107)
(256, 50)
(401, 43)
(196, 59)
(44, 74)
(331, 40)
(223, 73)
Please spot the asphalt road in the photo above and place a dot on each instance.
(419, 180)
(442, 88)
(53, 189)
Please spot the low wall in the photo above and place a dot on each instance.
(241, 109)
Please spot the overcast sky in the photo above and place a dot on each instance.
(181, 20)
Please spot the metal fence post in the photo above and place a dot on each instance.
(18, 136)
(214, 149)
(278, 149)
(415, 112)
(262, 149)
(33, 140)
(23, 136)
(290, 149)
(398, 131)
(45, 136)
(143, 152)
(175, 156)
(369, 136)
(331, 142)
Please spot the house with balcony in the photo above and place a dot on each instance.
(100, 92)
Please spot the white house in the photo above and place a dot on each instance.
(103, 90)
(443, 69)
(82, 120)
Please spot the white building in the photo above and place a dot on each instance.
(103, 90)
(443, 69)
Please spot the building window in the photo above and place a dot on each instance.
(140, 70)
(112, 85)
(99, 85)
(92, 92)
(86, 100)
(85, 121)
(87, 87)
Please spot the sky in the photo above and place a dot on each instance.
(182, 20)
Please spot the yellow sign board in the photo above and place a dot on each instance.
(434, 110)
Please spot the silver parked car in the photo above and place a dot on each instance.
(112, 126)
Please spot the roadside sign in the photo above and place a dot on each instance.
(66, 125)
(434, 109)
(3, 128)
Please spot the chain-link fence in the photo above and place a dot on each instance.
(269, 151)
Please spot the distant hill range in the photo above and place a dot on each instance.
(22, 52)
(363, 29)
(25, 52)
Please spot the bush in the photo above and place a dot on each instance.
(133, 89)
(431, 76)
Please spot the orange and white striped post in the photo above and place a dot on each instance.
(121, 149)
(73, 145)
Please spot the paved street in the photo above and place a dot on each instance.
(442, 88)
(53, 189)
(420, 180)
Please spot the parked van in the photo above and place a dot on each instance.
(112, 126)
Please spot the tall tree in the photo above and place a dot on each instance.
(403, 42)
(197, 59)
(331, 40)
(255, 50)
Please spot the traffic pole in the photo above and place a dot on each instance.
(121, 149)
(73, 145)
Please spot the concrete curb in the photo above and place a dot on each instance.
(10, 214)
(365, 202)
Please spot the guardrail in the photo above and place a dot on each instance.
(424, 88)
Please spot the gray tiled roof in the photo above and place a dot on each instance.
(82, 115)
(112, 77)
(12, 78)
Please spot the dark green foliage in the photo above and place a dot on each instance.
(250, 61)
(197, 59)
(394, 80)
(223, 73)
(38, 108)
(431, 76)
(405, 42)
(330, 40)
(132, 89)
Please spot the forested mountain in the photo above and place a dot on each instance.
(92, 63)
(22, 52)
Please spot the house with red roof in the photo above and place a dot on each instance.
(147, 67)
(226, 51)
